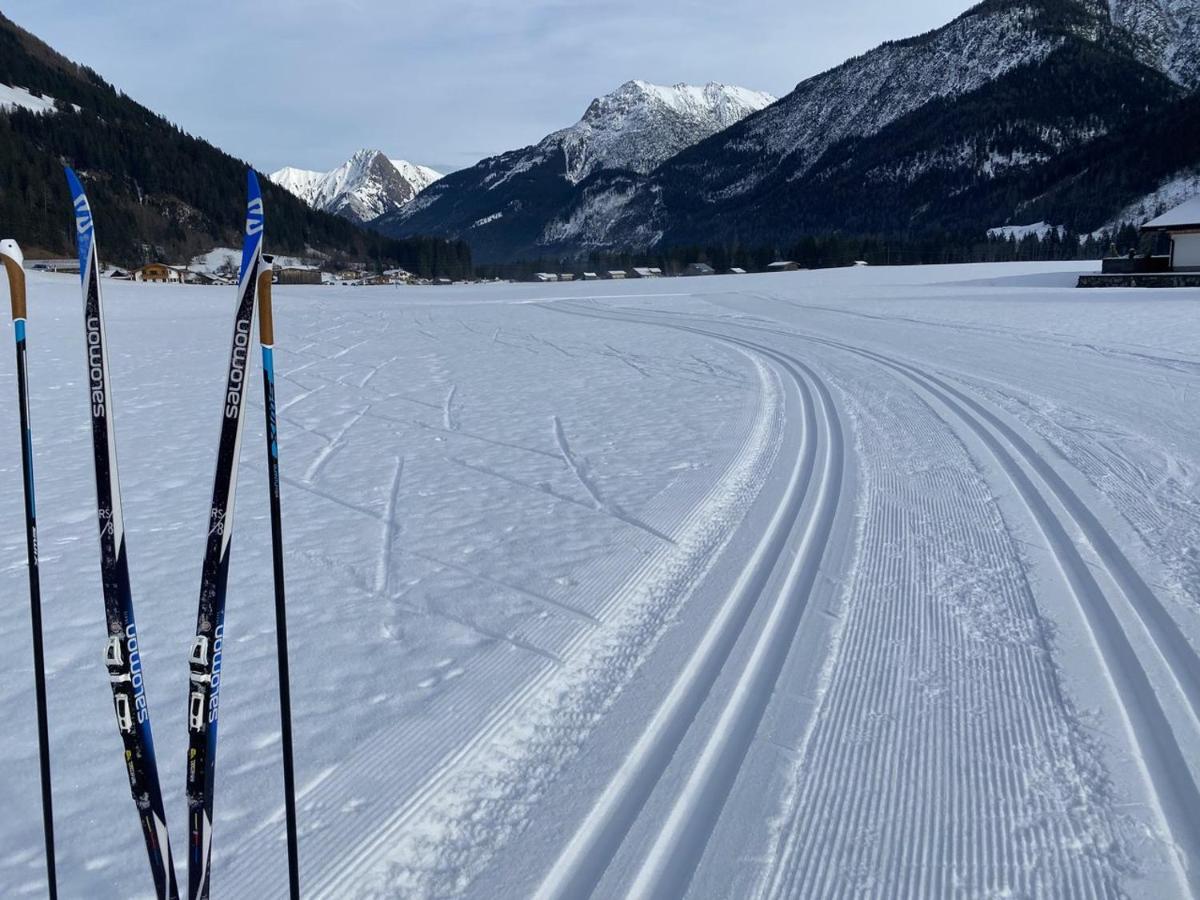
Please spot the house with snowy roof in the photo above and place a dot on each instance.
(1182, 224)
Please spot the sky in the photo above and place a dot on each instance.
(443, 83)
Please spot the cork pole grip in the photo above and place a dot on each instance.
(16, 281)
(266, 324)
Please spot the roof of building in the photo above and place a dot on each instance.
(1186, 215)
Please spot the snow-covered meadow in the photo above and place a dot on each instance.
(870, 581)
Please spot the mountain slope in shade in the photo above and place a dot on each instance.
(366, 186)
(157, 192)
(635, 128)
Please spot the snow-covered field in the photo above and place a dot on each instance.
(870, 582)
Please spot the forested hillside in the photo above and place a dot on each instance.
(157, 192)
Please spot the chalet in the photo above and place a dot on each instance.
(737, 271)
(1182, 225)
(545, 277)
(1179, 268)
(699, 269)
(159, 273)
(590, 276)
(783, 265)
(646, 272)
(615, 274)
(567, 276)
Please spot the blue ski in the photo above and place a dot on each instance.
(205, 659)
(122, 655)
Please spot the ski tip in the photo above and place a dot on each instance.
(73, 182)
(10, 249)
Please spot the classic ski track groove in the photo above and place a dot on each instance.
(1164, 764)
(354, 851)
(582, 863)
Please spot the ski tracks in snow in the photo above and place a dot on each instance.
(794, 544)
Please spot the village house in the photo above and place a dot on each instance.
(646, 272)
(159, 273)
(615, 274)
(1180, 267)
(783, 265)
(699, 269)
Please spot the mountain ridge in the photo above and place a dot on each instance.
(158, 193)
(764, 177)
(633, 128)
(365, 187)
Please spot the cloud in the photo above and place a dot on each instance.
(441, 82)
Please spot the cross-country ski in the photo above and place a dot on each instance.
(122, 650)
(208, 645)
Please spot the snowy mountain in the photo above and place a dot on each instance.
(363, 188)
(959, 128)
(1169, 32)
(635, 128)
(640, 125)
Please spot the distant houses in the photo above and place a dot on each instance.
(65, 266)
(615, 274)
(783, 265)
(647, 272)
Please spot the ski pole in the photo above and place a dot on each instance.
(266, 331)
(14, 264)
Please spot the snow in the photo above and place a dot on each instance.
(1167, 196)
(640, 125)
(19, 98)
(1020, 232)
(214, 259)
(869, 581)
(1186, 214)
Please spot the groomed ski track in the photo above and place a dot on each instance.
(870, 583)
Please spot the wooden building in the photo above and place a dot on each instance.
(159, 273)
(297, 275)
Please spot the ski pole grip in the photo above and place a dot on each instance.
(14, 265)
(266, 322)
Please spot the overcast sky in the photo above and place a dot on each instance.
(440, 82)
